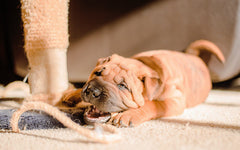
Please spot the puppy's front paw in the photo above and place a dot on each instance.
(129, 118)
(70, 98)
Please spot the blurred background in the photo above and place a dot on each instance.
(99, 29)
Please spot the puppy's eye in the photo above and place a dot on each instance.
(99, 72)
(122, 86)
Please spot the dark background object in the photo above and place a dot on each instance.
(117, 20)
(11, 39)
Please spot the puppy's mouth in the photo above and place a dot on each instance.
(92, 115)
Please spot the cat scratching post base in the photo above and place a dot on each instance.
(48, 73)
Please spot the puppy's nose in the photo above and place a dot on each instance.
(92, 91)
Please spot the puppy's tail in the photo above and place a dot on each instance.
(203, 49)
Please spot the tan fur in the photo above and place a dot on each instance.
(159, 83)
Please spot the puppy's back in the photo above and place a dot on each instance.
(187, 72)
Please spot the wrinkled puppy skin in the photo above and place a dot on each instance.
(151, 84)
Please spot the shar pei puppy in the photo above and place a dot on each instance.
(150, 84)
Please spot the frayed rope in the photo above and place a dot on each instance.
(103, 133)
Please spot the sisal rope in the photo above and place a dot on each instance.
(103, 133)
(45, 24)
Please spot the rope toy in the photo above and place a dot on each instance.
(103, 133)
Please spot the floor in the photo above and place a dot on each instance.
(214, 124)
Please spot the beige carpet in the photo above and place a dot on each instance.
(212, 125)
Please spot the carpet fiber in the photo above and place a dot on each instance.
(214, 124)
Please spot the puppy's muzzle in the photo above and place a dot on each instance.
(92, 91)
(96, 93)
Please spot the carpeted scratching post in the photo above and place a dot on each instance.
(45, 25)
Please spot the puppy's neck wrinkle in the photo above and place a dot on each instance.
(149, 68)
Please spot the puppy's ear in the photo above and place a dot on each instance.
(151, 87)
(103, 60)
